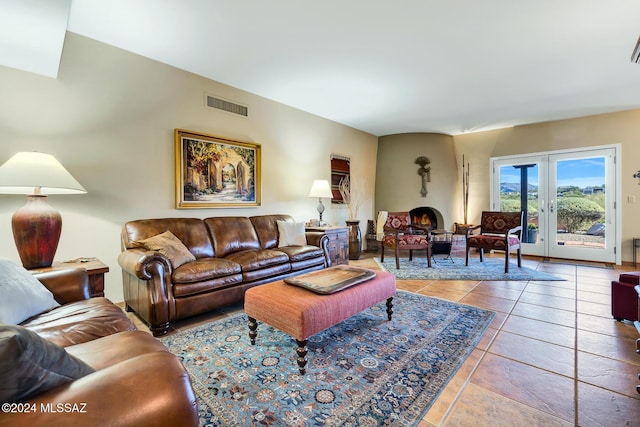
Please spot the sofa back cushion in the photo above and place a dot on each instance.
(266, 227)
(192, 232)
(231, 234)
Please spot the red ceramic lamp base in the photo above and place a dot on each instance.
(36, 231)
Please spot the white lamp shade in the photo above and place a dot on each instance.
(27, 172)
(321, 188)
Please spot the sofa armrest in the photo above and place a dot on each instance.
(148, 390)
(147, 286)
(321, 240)
(314, 238)
(67, 285)
(137, 262)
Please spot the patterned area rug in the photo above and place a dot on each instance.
(454, 269)
(365, 371)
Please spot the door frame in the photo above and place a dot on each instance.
(617, 211)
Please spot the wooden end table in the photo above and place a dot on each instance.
(95, 270)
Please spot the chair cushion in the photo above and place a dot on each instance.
(30, 365)
(23, 296)
(398, 220)
(406, 240)
(492, 242)
(80, 321)
(500, 222)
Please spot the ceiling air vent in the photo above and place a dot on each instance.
(635, 57)
(224, 105)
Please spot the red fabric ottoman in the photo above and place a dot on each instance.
(301, 313)
(624, 300)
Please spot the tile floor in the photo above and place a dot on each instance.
(552, 356)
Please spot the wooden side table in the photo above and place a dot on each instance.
(338, 243)
(95, 269)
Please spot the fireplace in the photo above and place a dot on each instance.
(429, 217)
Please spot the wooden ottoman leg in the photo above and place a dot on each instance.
(389, 307)
(302, 355)
(253, 327)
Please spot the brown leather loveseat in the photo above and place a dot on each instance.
(132, 379)
(224, 257)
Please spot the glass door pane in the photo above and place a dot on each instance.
(569, 198)
(518, 188)
(580, 210)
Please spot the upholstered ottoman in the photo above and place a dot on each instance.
(624, 300)
(302, 313)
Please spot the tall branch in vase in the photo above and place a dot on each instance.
(465, 189)
(351, 196)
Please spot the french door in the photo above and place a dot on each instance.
(569, 198)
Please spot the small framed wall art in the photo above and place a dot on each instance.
(215, 172)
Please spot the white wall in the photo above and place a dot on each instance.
(109, 119)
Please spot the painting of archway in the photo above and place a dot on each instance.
(216, 172)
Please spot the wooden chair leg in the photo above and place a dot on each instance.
(429, 256)
(466, 261)
(519, 257)
(382, 255)
(506, 261)
(397, 258)
(481, 254)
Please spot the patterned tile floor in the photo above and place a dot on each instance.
(553, 355)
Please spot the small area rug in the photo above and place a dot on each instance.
(454, 269)
(365, 371)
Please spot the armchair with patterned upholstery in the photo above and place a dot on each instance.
(500, 231)
(400, 233)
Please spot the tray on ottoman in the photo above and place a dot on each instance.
(331, 280)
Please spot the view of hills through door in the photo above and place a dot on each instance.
(569, 199)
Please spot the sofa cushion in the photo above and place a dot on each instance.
(302, 253)
(23, 296)
(257, 260)
(232, 234)
(80, 322)
(291, 234)
(205, 269)
(170, 246)
(31, 365)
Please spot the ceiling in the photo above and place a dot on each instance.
(384, 67)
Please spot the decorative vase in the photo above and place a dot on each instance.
(355, 239)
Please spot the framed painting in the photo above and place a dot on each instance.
(214, 172)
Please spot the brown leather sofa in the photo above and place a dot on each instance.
(136, 381)
(232, 254)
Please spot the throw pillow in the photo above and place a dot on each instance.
(170, 246)
(23, 296)
(291, 234)
(30, 365)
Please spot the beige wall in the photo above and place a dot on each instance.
(398, 183)
(109, 119)
(616, 128)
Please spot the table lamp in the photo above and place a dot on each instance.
(36, 226)
(320, 189)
